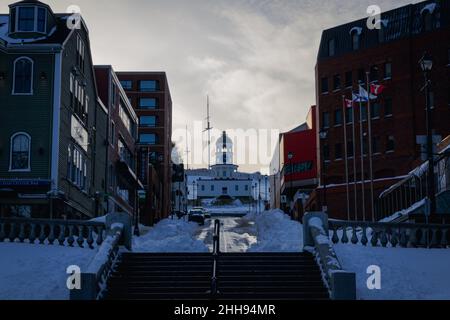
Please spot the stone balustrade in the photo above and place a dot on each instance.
(405, 235)
(63, 232)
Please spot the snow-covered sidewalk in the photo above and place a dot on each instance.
(38, 272)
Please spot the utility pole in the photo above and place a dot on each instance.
(187, 149)
(208, 129)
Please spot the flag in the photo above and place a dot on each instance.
(376, 89)
(348, 103)
(357, 98)
(364, 95)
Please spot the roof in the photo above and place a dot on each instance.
(396, 24)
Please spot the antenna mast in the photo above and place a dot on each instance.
(208, 129)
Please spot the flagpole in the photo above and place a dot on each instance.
(362, 158)
(354, 159)
(344, 108)
(372, 204)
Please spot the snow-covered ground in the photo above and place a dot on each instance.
(412, 274)
(38, 272)
(170, 235)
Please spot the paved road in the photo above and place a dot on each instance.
(237, 233)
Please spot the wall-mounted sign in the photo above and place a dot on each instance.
(23, 182)
(79, 133)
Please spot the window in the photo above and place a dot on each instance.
(80, 53)
(337, 82)
(148, 103)
(30, 19)
(349, 115)
(125, 154)
(77, 171)
(375, 110)
(203, 187)
(326, 152)
(212, 187)
(390, 144)
(348, 79)
(388, 70)
(355, 41)
(26, 19)
(148, 86)
(324, 86)
(126, 84)
(246, 188)
(375, 145)
(236, 188)
(148, 138)
(20, 152)
(364, 112)
(41, 19)
(331, 48)
(427, 21)
(325, 120)
(113, 95)
(388, 107)
(338, 117)
(373, 75)
(125, 119)
(350, 148)
(147, 121)
(338, 151)
(23, 76)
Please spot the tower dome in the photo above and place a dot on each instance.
(224, 150)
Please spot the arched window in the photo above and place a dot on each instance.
(20, 152)
(355, 33)
(23, 76)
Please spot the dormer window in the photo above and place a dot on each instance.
(31, 19)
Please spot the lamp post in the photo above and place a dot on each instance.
(323, 134)
(290, 157)
(274, 189)
(426, 64)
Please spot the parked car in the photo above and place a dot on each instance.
(205, 212)
(197, 216)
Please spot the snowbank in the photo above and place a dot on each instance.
(276, 232)
(405, 273)
(170, 236)
(38, 272)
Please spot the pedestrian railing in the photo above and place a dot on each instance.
(63, 232)
(405, 235)
(341, 284)
(216, 252)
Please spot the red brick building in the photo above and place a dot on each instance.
(390, 56)
(149, 94)
(122, 182)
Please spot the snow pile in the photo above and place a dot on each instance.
(38, 272)
(413, 274)
(170, 236)
(276, 232)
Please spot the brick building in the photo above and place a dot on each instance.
(390, 57)
(122, 181)
(149, 94)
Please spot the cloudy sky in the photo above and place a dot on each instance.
(255, 58)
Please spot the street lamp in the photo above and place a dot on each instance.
(290, 157)
(274, 189)
(323, 135)
(426, 64)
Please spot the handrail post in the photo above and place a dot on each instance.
(216, 252)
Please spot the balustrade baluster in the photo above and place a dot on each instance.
(403, 239)
(80, 238)
(335, 238)
(12, 232)
(364, 240)
(2, 232)
(51, 235)
(383, 239)
(22, 232)
(344, 238)
(413, 237)
(374, 239)
(70, 239)
(62, 234)
(424, 237)
(434, 240)
(444, 241)
(32, 237)
(42, 234)
(394, 237)
(90, 239)
(354, 239)
(99, 236)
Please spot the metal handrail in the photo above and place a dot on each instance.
(216, 252)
